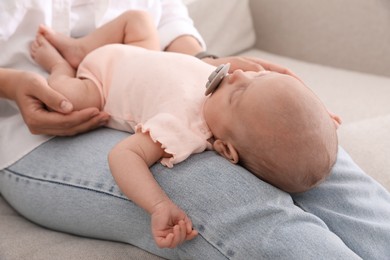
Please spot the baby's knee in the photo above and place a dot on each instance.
(140, 30)
(138, 19)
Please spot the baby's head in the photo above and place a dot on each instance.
(275, 126)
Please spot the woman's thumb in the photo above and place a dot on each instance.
(56, 101)
(65, 106)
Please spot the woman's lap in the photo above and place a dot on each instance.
(354, 206)
(66, 185)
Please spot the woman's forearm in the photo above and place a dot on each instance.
(185, 44)
(8, 78)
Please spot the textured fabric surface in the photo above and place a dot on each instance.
(350, 34)
(21, 239)
(226, 26)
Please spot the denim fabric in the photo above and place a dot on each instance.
(65, 185)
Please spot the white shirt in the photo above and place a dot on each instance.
(19, 20)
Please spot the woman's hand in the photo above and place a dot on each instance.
(46, 111)
(249, 64)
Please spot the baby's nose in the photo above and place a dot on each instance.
(238, 72)
(236, 75)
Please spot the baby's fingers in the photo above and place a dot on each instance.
(179, 232)
(171, 240)
(165, 242)
(190, 233)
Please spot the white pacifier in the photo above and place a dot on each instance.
(216, 78)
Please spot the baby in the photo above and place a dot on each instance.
(270, 123)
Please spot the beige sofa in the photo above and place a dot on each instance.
(341, 49)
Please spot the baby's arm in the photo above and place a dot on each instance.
(129, 163)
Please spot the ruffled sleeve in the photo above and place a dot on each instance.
(177, 137)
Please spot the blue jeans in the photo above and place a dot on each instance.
(65, 185)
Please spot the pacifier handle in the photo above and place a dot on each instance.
(216, 78)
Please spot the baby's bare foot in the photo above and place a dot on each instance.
(69, 47)
(45, 54)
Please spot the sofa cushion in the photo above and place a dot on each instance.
(226, 26)
(351, 34)
(368, 142)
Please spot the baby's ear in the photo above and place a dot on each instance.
(227, 150)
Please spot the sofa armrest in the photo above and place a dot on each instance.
(351, 34)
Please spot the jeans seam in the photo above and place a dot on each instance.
(7, 170)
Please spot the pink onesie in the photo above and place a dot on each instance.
(157, 92)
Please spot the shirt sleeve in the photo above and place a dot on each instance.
(175, 21)
(175, 136)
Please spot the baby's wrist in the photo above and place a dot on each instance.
(161, 205)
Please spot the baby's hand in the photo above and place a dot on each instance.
(171, 225)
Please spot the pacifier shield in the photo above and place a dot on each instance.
(216, 78)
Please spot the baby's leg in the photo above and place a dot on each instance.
(81, 93)
(139, 29)
(133, 27)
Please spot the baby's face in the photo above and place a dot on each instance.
(243, 97)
